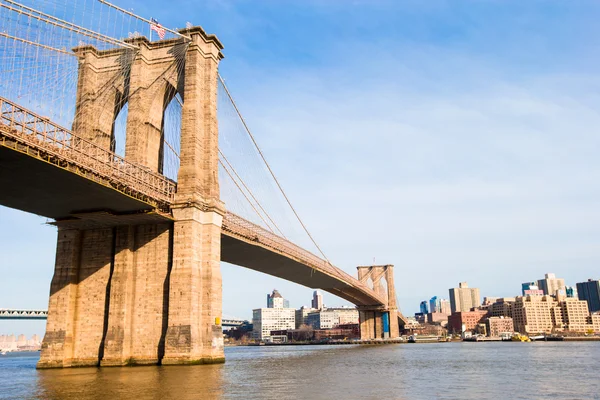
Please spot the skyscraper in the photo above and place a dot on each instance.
(550, 284)
(424, 307)
(435, 305)
(590, 292)
(445, 307)
(464, 298)
(317, 300)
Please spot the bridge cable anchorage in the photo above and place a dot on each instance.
(144, 19)
(269, 167)
(43, 46)
(244, 194)
(251, 194)
(47, 18)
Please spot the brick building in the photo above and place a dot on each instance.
(469, 319)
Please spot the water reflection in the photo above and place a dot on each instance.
(173, 382)
(406, 371)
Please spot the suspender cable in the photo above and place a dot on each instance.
(269, 167)
(33, 13)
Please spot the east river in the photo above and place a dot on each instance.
(540, 370)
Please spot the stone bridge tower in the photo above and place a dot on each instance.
(134, 291)
(379, 322)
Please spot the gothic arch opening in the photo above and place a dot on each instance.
(119, 127)
(370, 283)
(170, 146)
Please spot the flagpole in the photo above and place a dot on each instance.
(150, 27)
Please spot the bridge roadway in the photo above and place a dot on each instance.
(48, 171)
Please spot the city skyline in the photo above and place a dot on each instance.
(460, 154)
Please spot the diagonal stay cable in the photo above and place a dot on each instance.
(269, 167)
(251, 194)
(246, 197)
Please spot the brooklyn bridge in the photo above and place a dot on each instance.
(136, 151)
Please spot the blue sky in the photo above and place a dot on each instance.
(456, 140)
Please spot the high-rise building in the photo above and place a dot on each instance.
(301, 315)
(317, 300)
(502, 307)
(464, 298)
(445, 307)
(575, 315)
(535, 314)
(531, 288)
(590, 292)
(276, 300)
(423, 307)
(571, 291)
(551, 284)
(434, 305)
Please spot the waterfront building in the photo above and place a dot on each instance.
(535, 314)
(276, 300)
(462, 321)
(317, 300)
(332, 317)
(575, 315)
(266, 320)
(498, 325)
(464, 298)
(301, 315)
(590, 292)
(423, 307)
(551, 284)
(594, 321)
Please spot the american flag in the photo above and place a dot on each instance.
(156, 27)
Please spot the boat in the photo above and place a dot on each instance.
(520, 338)
(423, 339)
(537, 337)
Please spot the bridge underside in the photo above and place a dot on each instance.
(252, 255)
(35, 186)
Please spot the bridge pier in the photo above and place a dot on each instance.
(379, 322)
(150, 293)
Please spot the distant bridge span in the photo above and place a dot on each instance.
(7, 313)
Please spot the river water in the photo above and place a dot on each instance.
(498, 370)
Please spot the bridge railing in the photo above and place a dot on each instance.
(242, 227)
(39, 132)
